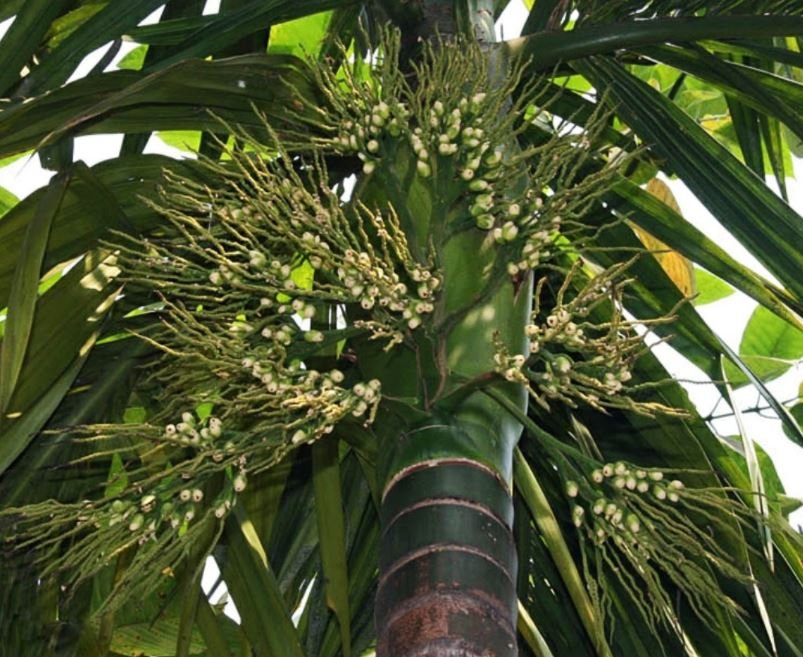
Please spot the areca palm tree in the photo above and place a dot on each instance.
(378, 348)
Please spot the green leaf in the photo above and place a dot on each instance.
(783, 414)
(670, 227)
(769, 336)
(770, 347)
(23, 295)
(70, 21)
(155, 634)
(134, 143)
(24, 37)
(742, 203)
(253, 586)
(202, 36)
(155, 639)
(99, 394)
(710, 288)
(85, 213)
(66, 326)
(756, 476)
(9, 8)
(181, 97)
(532, 636)
(263, 496)
(118, 479)
(760, 50)
(134, 60)
(93, 32)
(188, 141)
(745, 123)
(7, 201)
(781, 593)
(538, 18)
(545, 49)
(302, 37)
(544, 517)
(777, 151)
(772, 481)
(332, 534)
(769, 94)
(211, 626)
(700, 101)
(190, 589)
(17, 434)
(796, 412)
(135, 415)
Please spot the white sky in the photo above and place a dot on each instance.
(727, 317)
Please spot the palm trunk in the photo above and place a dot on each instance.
(447, 563)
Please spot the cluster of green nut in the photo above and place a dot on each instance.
(377, 273)
(153, 511)
(315, 401)
(318, 402)
(275, 273)
(460, 133)
(205, 435)
(560, 375)
(511, 367)
(222, 275)
(375, 285)
(559, 328)
(191, 432)
(539, 236)
(603, 370)
(174, 502)
(606, 510)
(556, 376)
(455, 131)
(365, 135)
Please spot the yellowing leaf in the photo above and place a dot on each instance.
(678, 268)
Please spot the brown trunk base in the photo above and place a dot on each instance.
(447, 565)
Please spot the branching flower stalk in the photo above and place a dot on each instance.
(639, 527)
(575, 360)
(636, 526)
(268, 284)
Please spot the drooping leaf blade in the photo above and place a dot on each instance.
(83, 215)
(23, 293)
(545, 49)
(102, 26)
(7, 201)
(24, 37)
(189, 95)
(266, 621)
(545, 519)
(741, 202)
(332, 534)
(67, 324)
